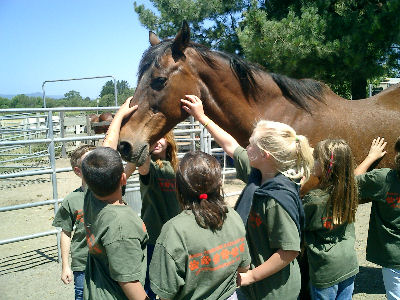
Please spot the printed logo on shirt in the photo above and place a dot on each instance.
(254, 219)
(327, 222)
(393, 199)
(90, 241)
(166, 184)
(218, 257)
(79, 216)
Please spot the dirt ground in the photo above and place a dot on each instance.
(29, 269)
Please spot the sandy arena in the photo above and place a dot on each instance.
(29, 269)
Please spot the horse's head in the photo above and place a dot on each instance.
(165, 76)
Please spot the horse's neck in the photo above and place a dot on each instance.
(227, 105)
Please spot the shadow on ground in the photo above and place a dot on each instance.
(369, 281)
(27, 260)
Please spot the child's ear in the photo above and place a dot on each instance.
(78, 172)
(123, 179)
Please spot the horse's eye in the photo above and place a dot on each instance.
(158, 83)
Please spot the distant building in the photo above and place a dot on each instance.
(383, 85)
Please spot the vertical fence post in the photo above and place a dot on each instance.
(52, 156)
(62, 134)
(202, 147)
(192, 135)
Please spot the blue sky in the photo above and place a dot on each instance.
(59, 39)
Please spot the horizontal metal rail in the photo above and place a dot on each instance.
(28, 237)
(29, 205)
(32, 173)
(55, 109)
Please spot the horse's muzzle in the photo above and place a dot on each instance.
(135, 155)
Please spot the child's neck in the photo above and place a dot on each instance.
(113, 199)
(268, 171)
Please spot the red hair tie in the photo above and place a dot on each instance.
(203, 196)
(330, 164)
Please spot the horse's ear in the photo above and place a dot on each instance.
(153, 39)
(181, 41)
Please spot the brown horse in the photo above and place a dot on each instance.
(236, 94)
(100, 123)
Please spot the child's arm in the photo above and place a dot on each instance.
(194, 107)
(112, 135)
(145, 168)
(375, 152)
(66, 273)
(133, 290)
(274, 264)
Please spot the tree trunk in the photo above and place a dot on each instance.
(358, 88)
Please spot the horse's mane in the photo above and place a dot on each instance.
(297, 91)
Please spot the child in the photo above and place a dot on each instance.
(70, 214)
(272, 166)
(116, 236)
(382, 186)
(157, 185)
(199, 252)
(330, 214)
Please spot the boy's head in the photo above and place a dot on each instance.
(77, 156)
(102, 170)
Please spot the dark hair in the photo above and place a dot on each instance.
(200, 173)
(397, 157)
(102, 169)
(76, 155)
(337, 165)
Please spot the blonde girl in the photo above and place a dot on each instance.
(330, 214)
(274, 163)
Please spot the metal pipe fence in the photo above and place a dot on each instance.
(189, 135)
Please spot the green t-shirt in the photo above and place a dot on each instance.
(159, 202)
(268, 229)
(117, 238)
(382, 186)
(68, 216)
(331, 254)
(190, 262)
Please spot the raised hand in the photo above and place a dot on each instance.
(377, 149)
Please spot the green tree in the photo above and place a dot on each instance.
(5, 102)
(107, 93)
(213, 22)
(23, 101)
(107, 89)
(72, 99)
(344, 43)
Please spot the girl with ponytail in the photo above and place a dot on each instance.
(273, 165)
(330, 211)
(199, 252)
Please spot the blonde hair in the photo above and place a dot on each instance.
(292, 153)
(171, 154)
(337, 178)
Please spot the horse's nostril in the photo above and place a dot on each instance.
(125, 149)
